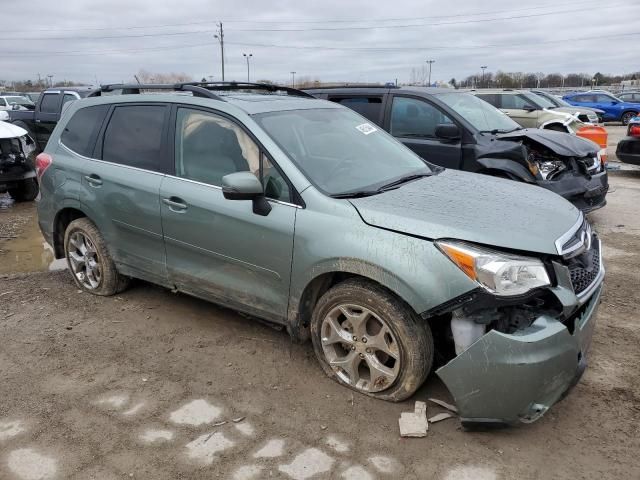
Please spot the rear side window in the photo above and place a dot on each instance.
(134, 136)
(369, 107)
(50, 103)
(80, 132)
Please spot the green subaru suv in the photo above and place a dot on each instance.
(301, 212)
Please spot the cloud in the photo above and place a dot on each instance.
(111, 41)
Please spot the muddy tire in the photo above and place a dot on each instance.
(26, 191)
(89, 262)
(369, 340)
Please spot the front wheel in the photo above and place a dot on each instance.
(627, 116)
(89, 261)
(370, 341)
(25, 191)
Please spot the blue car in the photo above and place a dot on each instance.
(615, 110)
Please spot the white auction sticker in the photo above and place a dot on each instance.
(366, 128)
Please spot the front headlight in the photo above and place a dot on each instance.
(500, 273)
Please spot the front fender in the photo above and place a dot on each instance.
(508, 166)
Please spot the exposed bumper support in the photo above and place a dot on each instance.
(585, 194)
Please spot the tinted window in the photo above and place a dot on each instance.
(490, 98)
(411, 117)
(604, 99)
(79, 133)
(275, 186)
(369, 107)
(515, 102)
(68, 98)
(134, 136)
(3, 102)
(50, 103)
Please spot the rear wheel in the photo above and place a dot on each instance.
(25, 191)
(627, 116)
(370, 341)
(89, 261)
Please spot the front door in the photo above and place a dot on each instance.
(413, 121)
(220, 249)
(520, 110)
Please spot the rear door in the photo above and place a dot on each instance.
(413, 121)
(47, 115)
(122, 187)
(220, 249)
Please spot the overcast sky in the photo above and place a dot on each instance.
(330, 40)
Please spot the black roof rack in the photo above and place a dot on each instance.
(348, 85)
(199, 89)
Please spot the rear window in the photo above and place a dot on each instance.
(368, 107)
(80, 132)
(134, 136)
(50, 103)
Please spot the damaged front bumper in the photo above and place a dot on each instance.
(585, 193)
(505, 379)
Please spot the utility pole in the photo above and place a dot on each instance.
(247, 57)
(430, 62)
(293, 79)
(220, 37)
(50, 80)
(483, 67)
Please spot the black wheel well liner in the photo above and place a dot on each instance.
(63, 218)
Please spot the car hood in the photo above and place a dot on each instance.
(563, 144)
(8, 130)
(573, 110)
(473, 207)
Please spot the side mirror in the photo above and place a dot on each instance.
(15, 106)
(246, 186)
(529, 108)
(447, 131)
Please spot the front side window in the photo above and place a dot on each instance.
(605, 98)
(490, 98)
(338, 151)
(3, 102)
(209, 146)
(68, 98)
(49, 103)
(369, 107)
(477, 112)
(79, 133)
(411, 117)
(515, 102)
(134, 136)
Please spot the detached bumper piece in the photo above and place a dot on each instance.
(585, 193)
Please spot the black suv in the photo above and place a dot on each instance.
(458, 130)
(41, 121)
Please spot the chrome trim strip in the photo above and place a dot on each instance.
(564, 238)
(585, 295)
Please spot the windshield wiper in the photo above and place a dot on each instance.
(358, 194)
(498, 130)
(401, 180)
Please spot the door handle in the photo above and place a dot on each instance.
(175, 204)
(93, 180)
(38, 120)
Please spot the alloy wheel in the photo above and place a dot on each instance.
(84, 261)
(360, 348)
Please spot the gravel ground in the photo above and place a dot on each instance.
(138, 385)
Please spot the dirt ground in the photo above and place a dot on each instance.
(138, 385)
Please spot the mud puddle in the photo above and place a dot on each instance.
(22, 247)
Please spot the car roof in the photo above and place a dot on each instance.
(80, 89)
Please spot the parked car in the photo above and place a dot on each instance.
(457, 130)
(304, 213)
(17, 169)
(585, 114)
(628, 150)
(630, 97)
(529, 110)
(15, 103)
(40, 121)
(615, 110)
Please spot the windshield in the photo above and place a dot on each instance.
(339, 151)
(482, 115)
(19, 100)
(540, 100)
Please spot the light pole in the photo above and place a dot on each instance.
(50, 80)
(483, 67)
(293, 79)
(220, 37)
(247, 57)
(430, 62)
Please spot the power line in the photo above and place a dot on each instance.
(339, 20)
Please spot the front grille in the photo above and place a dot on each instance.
(585, 267)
